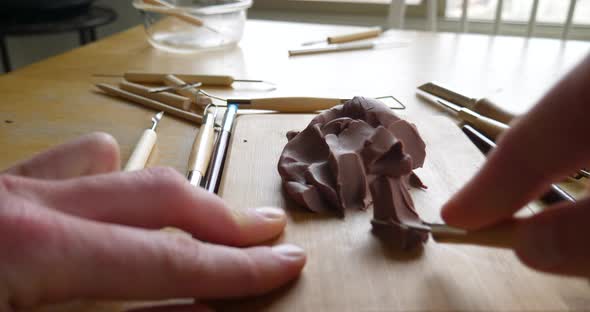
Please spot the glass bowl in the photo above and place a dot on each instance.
(191, 26)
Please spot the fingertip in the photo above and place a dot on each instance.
(259, 225)
(105, 149)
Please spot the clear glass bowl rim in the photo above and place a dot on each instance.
(239, 5)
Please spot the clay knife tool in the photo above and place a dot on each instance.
(359, 35)
(485, 145)
(498, 236)
(482, 106)
(220, 149)
(202, 149)
(488, 126)
(144, 146)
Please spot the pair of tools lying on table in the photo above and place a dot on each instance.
(345, 42)
(485, 121)
(482, 114)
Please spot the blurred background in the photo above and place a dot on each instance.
(515, 15)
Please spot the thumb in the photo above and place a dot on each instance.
(556, 239)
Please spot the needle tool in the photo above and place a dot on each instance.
(220, 149)
(481, 106)
(205, 80)
(202, 149)
(144, 146)
(349, 46)
(359, 35)
(555, 193)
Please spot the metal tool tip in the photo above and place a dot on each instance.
(159, 115)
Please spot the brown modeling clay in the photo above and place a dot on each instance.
(353, 156)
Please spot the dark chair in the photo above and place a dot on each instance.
(23, 22)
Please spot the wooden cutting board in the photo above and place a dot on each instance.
(348, 269)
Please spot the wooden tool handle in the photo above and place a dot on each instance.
(167, 98)
(180, 15)
(157, 78)
(370, 33)
(142, 151)
(292, 104)
(490, 127)
(173, 81)
(501, 236)
(203, 147)
(108, 89)
(493, 111)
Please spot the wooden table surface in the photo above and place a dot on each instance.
(55, 100)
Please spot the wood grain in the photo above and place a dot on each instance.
(348, 269)
(53, 101)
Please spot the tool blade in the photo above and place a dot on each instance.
(446, 94)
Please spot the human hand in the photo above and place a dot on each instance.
(542, 147)
(71, 227)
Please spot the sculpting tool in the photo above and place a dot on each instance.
(202, 149)
(350, 46)
(206, 80)
(178, 101)
(359, 35)
(220, 150)
(114, 91)
(482, 106)
(293, 104)
(488, 126)
(144, 146)
(485, 145)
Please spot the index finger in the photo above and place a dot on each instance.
(542, 147)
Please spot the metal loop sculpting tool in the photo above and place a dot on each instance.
(144, 146)
(293, 104)
(202, 149)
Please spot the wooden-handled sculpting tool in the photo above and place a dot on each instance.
(220, 150)
(499, 236)
(359, 35)
(114, 91)
(488, 126)
(144, 146)
(349, 46)
(202, 149)
(482, 106)
(206, 80)
(485, 145)
(178, 101)
(294, 104)
(288, 104)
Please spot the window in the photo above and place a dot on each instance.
(549, 11)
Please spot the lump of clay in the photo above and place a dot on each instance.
(353, 156)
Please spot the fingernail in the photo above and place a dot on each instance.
(270, 213)
(289, 251)
(540, 246)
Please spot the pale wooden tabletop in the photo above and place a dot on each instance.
(52, 101)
